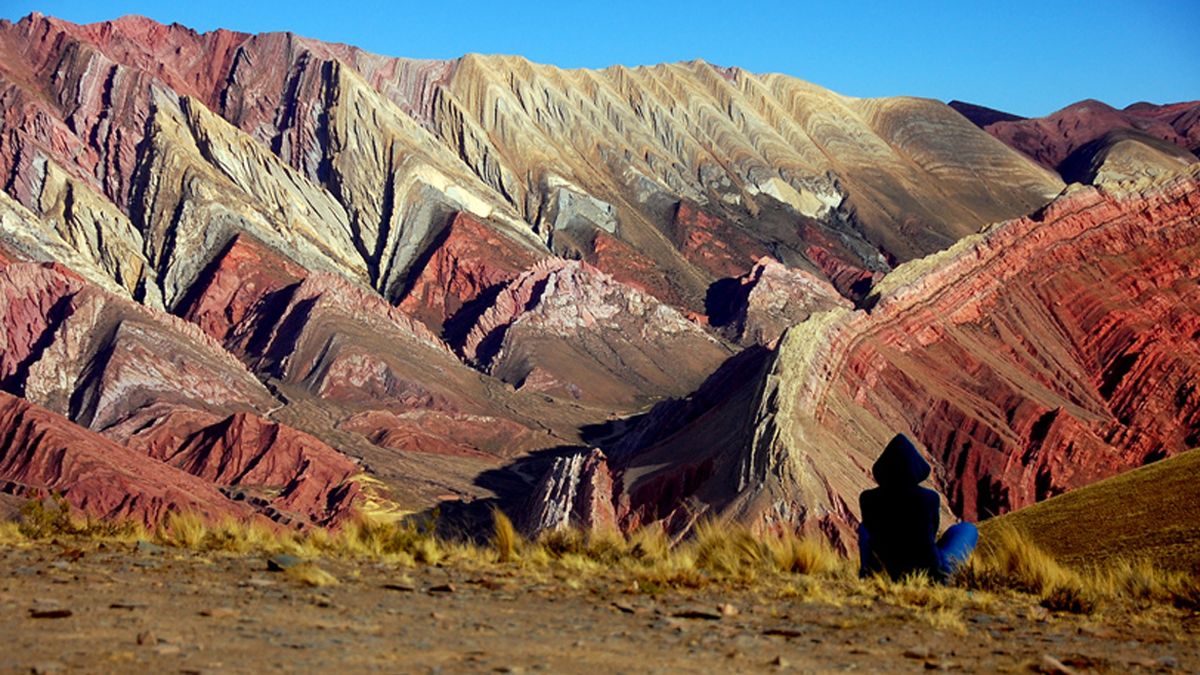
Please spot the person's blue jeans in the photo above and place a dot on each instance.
(954, 548)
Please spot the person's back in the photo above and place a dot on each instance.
(900, 519)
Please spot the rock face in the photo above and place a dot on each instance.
(1052, 140)
(577, 492)
(1038, 356)
(466, 266)
(291, 476)
(771, 298)
(44, 453)
(566, 328)
(155, 386)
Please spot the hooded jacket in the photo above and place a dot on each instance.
(900, 516)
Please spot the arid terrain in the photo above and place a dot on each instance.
(164, 610)
(528, 368)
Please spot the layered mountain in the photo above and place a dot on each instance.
(294, 280)
(1038, 356)
(1090, 141)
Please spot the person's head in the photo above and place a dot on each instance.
(900, 464)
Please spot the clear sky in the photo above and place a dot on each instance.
(1026, 57)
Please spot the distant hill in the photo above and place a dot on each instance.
(1153, 511)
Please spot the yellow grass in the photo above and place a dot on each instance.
(1153, 510)
(793, 565)
(309, 574)
(10, 533)
(505, 540)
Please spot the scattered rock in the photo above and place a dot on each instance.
(783, 632)
(49, 613)
(143, 546)
(443, 588)
(403, 587)
(1052, 666)
(698, 613)
(128, 605)
(727, 609)
(919, 653)
(282, 561)
(219, 612)
(168, 650)
(146, 638)
(780, 662)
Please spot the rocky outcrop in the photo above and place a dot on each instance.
(158, 387)
(264, 259)
(567, 329)
(575, 492)
(469, 261)
(245, 274)
(291, 476)
(771, 298)
(45, 453)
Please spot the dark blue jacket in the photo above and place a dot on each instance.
(900, 516)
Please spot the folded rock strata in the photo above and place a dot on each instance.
(1040, 355)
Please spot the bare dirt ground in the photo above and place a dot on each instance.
(125, 608)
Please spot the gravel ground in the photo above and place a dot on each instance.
(122, 608)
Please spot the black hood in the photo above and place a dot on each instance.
(900, 464)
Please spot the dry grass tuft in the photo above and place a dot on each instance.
(805, 555)
(504, 536)
(54, 517)
(10, 533)
(1009, 560)
(184, 530)
(310, 575)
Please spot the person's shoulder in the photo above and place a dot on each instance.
(869, 496)
(930, 496)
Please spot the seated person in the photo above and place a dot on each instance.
(898, 535)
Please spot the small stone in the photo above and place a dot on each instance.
(146, 638)
(1052, 666)
(697, 613)
(780, 662)
(400, 586)
(219, 612)
(918, 653)
(143, 546)
(167, 650)
(727, 609)
(1168, 663)
(282, 561)
(47, 667)
(49, 613)
(127, 605)
(442, 588)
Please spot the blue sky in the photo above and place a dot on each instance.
(1025, 57)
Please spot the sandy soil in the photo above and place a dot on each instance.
(124, 609)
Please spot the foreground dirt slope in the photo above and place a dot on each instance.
(157, 611)
(1152, 512)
